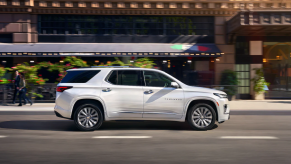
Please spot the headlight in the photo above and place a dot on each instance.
(220, 95)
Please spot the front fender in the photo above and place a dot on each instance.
(200, 98)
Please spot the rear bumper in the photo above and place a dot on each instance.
(60, 112)
(59, 115)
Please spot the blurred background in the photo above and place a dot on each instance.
(195, 41)
(242, 47)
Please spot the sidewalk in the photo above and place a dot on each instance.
(239, 105)
(260, 105)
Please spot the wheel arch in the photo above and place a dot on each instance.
(210, 102)
(88, 100)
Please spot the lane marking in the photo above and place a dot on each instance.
(122, 137)
(249, 137)
(3, 136)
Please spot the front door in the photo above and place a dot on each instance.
(123, 94)
(160, 99)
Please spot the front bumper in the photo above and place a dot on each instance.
(224, 110)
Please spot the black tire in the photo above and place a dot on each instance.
(94, 107)
(191, 121)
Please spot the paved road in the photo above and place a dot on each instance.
(43, 138)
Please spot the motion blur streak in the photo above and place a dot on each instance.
(248, 137)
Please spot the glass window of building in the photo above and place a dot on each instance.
(125, 25)
(277, 68)
(243, 74)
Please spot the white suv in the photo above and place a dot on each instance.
(90, 96)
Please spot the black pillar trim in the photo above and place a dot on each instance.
(249, 59)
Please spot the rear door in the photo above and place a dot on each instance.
(160, 99)
(122, 93)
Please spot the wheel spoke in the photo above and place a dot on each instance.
(94, 122)
(81, 119)
(196, 121)
(205, 123)
(208, 121)
(205, 111)
(82, 112)
(91, 110)
(199, 112)
(90, 123)
(84, 122)
(195, 113)
(202, 123)
(87, 123)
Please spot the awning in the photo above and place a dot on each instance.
(109, 49)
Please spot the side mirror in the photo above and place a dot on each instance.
(174, 85)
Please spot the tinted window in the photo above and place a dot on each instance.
(79, 76)
(125, 78)
(155, 79)
(113, 78)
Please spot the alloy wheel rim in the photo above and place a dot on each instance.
(202, 117)
(88, 117)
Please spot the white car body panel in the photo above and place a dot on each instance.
(131, 102)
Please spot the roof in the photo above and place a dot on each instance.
(111, 68)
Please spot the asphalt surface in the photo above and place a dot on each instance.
(36, 137)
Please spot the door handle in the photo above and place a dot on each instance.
(106, 90)
(149, 92)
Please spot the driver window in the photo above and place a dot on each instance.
(155, 79)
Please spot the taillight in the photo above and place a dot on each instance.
(63, 88)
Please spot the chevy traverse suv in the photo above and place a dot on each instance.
(90, 96)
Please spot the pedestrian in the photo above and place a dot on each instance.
(16, 86)
(22, 90)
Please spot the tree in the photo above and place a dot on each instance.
(140, 62)
(2, 73)
(229, 77)
(259, 81)
(68, 63)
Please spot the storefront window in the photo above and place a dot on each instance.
(277, 68)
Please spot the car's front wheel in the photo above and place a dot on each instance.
(201, 116)
(88, 117)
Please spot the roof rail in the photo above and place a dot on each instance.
(112, 67)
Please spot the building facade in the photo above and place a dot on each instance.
(194, 40)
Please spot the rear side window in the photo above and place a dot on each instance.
(79, 76)
(126, 77)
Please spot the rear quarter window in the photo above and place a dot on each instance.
(79, 76)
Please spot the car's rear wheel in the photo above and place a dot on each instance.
(201, 116)
(88, 117)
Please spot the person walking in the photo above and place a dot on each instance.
(16, 86)
(22, 90)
